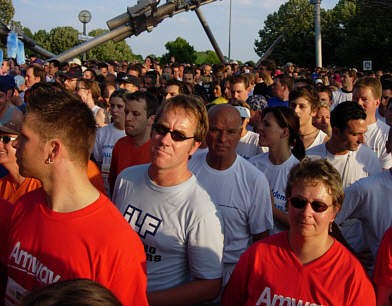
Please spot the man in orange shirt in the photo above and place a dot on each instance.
(134, 149)
(13, 185)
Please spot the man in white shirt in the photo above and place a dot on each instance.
(238, 189)
(346, 152)
(367, 200)
(346, 92)
(174, 216)
(367, 93)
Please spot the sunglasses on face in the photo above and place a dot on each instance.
(300, 203)
(175, 135)
(7, 139)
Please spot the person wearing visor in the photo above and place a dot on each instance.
(13, 185)
(303, 265)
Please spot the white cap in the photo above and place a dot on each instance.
(75, 61)
(244, 112)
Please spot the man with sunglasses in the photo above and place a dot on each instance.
(13, 185)
(134, 148)
(238, 189)
(173, 214)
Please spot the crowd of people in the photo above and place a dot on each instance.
(177, 184)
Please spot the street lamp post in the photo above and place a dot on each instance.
(317, 30)
(84, 17)
(229, 34)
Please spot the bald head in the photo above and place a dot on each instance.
(223, 136)
(225, 110)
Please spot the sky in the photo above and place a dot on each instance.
(247, 17)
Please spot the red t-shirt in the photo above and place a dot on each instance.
(383, 269)
(5, 213)
(94, 242)
(125, 155)
(269, 273)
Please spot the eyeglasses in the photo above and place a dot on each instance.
(77, 88)
(175, 135)
(7, 139)
(300, 203)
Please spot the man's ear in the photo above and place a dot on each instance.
(151, 120)
(54, 149)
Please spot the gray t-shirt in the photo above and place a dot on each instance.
(178, 225)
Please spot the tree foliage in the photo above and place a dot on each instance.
(207, 57)
(181, 50)
(7, 11)
(353, 31)
(110, 50)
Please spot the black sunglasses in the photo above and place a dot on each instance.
(300, 203)
(175, 135)
(7, 139)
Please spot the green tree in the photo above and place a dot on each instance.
(207, 57)
(181, 50)
(61, 39)
(298, 44)
(7, 11)
(110, 50)
(42, 39)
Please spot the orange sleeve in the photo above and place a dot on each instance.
(94, 174)
(113, 167)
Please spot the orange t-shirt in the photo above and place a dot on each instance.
(125, 155)
(9, 191)
(95, 176)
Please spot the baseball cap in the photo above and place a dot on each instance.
(74, 73)
(244, 112)
(12, 126)
(6, 82)
(130, 79)
(318, 81)
(75, 61)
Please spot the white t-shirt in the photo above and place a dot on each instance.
(277, 176)
(242, 196)
(248, 146)
(369, 200)
(178, 225)
(351, 166)
(340, 96)
(105, 140)
(318, 140)
(376, 137)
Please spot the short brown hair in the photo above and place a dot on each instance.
(38, 71)
(72, 291)
(314, 172)
(240, 79)
(372, 83)
(61, 114)
(309, 93)
(192, 106)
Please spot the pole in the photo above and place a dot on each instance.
(230, 33)
(84, 34)
(317, 29)
(210, 35)
(271, 48)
